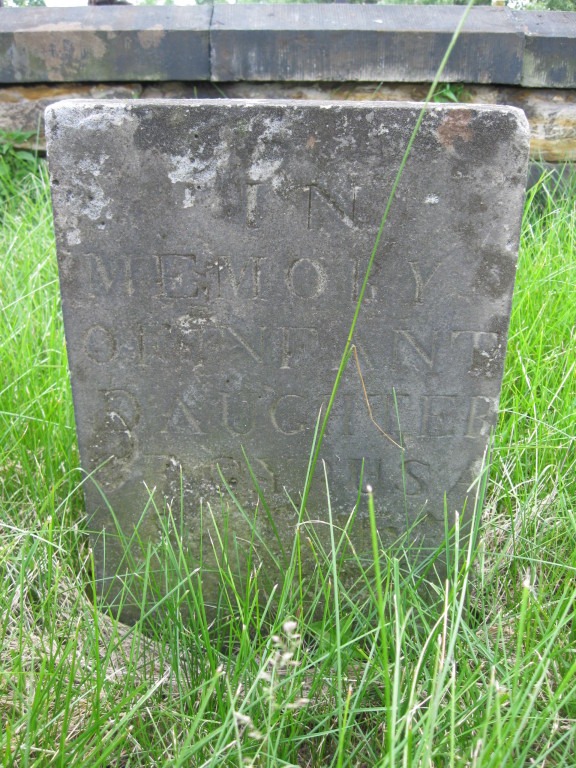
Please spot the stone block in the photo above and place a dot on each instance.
(104, 43)
(549, 59)
(211, 254)
(379, 43)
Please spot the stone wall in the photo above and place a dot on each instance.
(551, 112)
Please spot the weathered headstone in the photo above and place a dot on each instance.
(211, 256)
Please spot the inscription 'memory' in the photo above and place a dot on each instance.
(421, 280)
(206, 276)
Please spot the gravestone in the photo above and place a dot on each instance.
(211, 255)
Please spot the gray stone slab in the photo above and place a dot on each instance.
(308, 43)
(210, 258)
(104, 43)
(549, 48)
(371, 43)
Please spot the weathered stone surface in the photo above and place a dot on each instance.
(92, 44)
(551, 113)
(292, 42)
(341, 42)
(22, 106)
(210, 257)
(549, 59)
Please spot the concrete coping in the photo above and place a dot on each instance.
(267, 43)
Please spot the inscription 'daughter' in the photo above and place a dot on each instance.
(243, 413)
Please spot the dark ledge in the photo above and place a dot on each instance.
(331, 43)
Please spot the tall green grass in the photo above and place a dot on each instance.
(378, 676)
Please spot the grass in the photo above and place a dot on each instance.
(483, 675)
